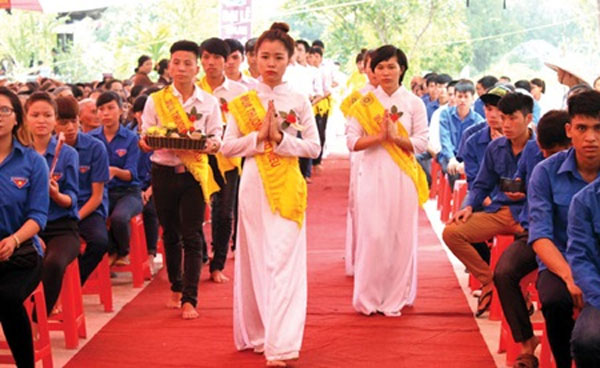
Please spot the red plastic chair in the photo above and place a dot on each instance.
(436, 172)
(501, 242)
(71, 320)
(41, 344)
(99, 282)
(459, 194)
(139, 265)
(507, 343)
(446, 201)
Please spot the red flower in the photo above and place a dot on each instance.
(394, 117)
(224, 107)
(291, 118)
(192, 118)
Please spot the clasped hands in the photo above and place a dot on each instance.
(269, 130)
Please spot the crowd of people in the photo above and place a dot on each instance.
(76, 158)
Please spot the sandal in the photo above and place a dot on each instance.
(483, 303)
(526, 361)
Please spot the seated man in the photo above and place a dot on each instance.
(476, 139)
(518, 260)
(445, 99)
(500, 217)
(553, 184)
(584, 259)
(453, 122)
(483, 84)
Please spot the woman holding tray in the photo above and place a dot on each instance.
(270, 269)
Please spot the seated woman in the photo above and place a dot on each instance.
(124, 195)
(93, 175)
(24, 199)
(390, 126)
(61, 234)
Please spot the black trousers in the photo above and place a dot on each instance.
(150, 225)
(517, 261)
(180, 207)
(585, 345)
(62, 247)
(223, 204)
(93, 230)
(322, 128)
(557, 307)
(16, 283)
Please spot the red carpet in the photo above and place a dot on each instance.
(439, 331)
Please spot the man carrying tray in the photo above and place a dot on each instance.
(180, 177)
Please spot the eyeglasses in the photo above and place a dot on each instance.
(6, 111)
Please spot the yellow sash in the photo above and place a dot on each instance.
(284, 185)
(349, 101)
(322, 107)
(369, 113)
(169, 111)
(225, 164)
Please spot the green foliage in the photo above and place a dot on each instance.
(409, 24)
(29, 38)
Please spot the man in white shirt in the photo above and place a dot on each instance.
(213, 54)
(178, 196)
(232, 65)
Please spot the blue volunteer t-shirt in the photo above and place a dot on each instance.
(93, 168)
(67, 178)
(24, 192)
(123, 152)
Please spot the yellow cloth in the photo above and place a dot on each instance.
(284, 185)
(349, 101)
(369, 112)
(169, 111)
(356, 81)
(322, 107)
(225, 164)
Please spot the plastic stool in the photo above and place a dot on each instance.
(459, 194)
(138, 254)
(41, 346)
(446, 201)
(99, 282)
(71, 319)
(501, 242)
(436, 170)
(507, 343)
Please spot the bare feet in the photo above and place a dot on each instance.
(259, 349)
(218, 277)
(174, 301)
(112, 259)
(122, 261)
(188, 311)
(528, 346)
(276, 363)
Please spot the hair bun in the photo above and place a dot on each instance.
(281, 26)
(362, 51)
